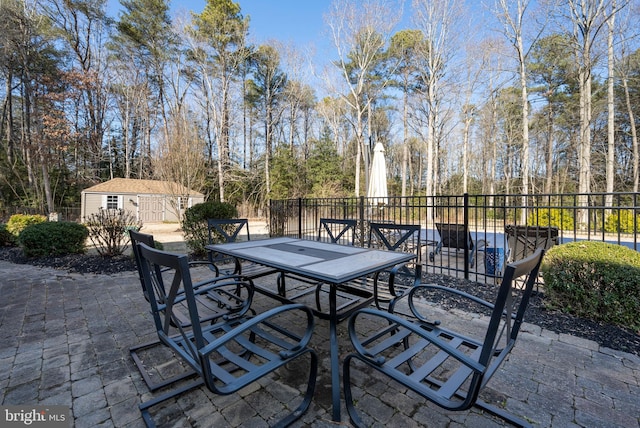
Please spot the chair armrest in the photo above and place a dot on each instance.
(393, 273)
(454, 291)
(394, 322)
(259, 319)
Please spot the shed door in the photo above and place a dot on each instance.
(151, 208)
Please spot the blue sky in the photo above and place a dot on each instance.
(297, 21)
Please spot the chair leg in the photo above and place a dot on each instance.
(144, 407)
(153, 386)
(348, 397)
(502, 414)
(308, 396)
(281, 285)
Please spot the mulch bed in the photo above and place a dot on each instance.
(609, 336)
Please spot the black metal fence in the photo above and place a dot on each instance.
(610, 217)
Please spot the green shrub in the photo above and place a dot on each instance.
(7, 239)
(55, 238)
(594, 280)
(560, 218)
(109, 230)
(18, 222)
(195, 227)
(621, 221)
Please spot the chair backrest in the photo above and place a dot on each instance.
(167, 309)
(229, 352)
(339, 231)
(454, 235)
(525, 240)
(509, 309)
(227, 230)
(395, 237)
(152, 263)
(147, 239)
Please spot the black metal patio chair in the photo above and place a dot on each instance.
(523, 240)
(231, 352)
(457, 237)
(337, 230)
(214, 304)
(445, 366)
(396, 237)
(233, 230)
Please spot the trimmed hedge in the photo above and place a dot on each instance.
(622, 221)
(594, 280)
(18, 222)
(195, 223)
(53, 239)
(560, 218)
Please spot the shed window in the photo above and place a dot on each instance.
(182, 203)
(112, 202)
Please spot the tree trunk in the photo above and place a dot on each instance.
(8, 115)
(549, 152)
(525, 130)
(360, 143)
(405, 143)
(46, 181)
(634, 135)
(610, 166)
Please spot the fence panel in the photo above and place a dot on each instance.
(613, 218)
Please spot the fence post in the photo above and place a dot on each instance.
(465, 215)
(361, 215)
(299, 218)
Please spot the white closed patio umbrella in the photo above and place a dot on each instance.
(377, 191)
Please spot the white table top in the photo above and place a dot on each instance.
(320, 261)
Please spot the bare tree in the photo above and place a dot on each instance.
(299, 96)
(513, 17)
(614, 10)
(130, 95)
(436, 20)
(623, 66)
(332, 112)
(360, 32)
(623, 69)
(475, 67)
(611, 135)
(588, 19)
(180, 160)
(83, 25)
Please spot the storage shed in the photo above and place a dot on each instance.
(151, 201)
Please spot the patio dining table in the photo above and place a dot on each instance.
(332, 264)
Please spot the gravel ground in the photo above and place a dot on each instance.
(606, 335)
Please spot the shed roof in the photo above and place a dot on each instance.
(134, 186)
